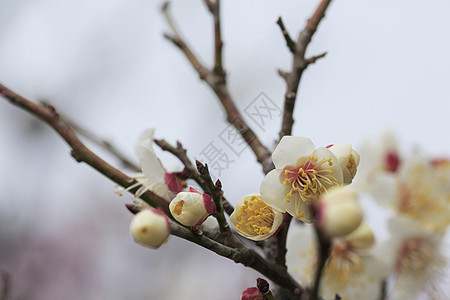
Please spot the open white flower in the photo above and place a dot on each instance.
(155, 177)
(352, 270)
(150, 228)
(254, 219)
(303, 173)
(415, 257)
(378, 158)
(417, 192)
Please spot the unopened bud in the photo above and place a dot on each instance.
(191, 208)
(150, 228)
(362, 237)
(339, 212)
(252, 294)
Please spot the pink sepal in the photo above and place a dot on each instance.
(209, 206)
(252, 293)
(174, 183)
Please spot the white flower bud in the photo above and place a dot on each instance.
(362, 237)
(339, 212)
(191, 208)
(150, 228)
(348, 159)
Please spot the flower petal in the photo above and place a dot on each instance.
(336, 176)
(272, 190)
(150, 164)
(290, 149)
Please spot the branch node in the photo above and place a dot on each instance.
(133, 208)
(75, 155)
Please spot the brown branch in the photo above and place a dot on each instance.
(324, 249)
(215, 191)
(243, 256)
(289, 42)
(283, 74)
(299, 64)
(214, 9)
(5, 279)
(275, 251)
(275, 247)
(216, 80)
(105, 144)
(383, 292)
(190, 170)
(79, 151)
(314, 58)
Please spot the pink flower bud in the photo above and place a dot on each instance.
(252, 294)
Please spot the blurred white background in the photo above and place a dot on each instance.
(64, 234)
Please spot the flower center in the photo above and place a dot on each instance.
(415, 255)
(391, 161)
(343, 261)
(308, 180)
(255, 217)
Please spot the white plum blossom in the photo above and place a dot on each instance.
(254, 219)
(415, 257)
(154, 177)
(418, 191)
(150, 227)
(352, 271)
(379, 158)
(191, 208)
(303, 173)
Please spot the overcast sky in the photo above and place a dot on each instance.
(105, 64)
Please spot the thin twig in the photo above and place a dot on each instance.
(383, 292)
(289, 41)
(79, 151)
(107, 145)
(190, 169)
(218, 42)
(215, 191)
(278, 253)
(299, 64)
(275, 251)
(216, 80)
(314, 58)
(5, 292)
(324, 249)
